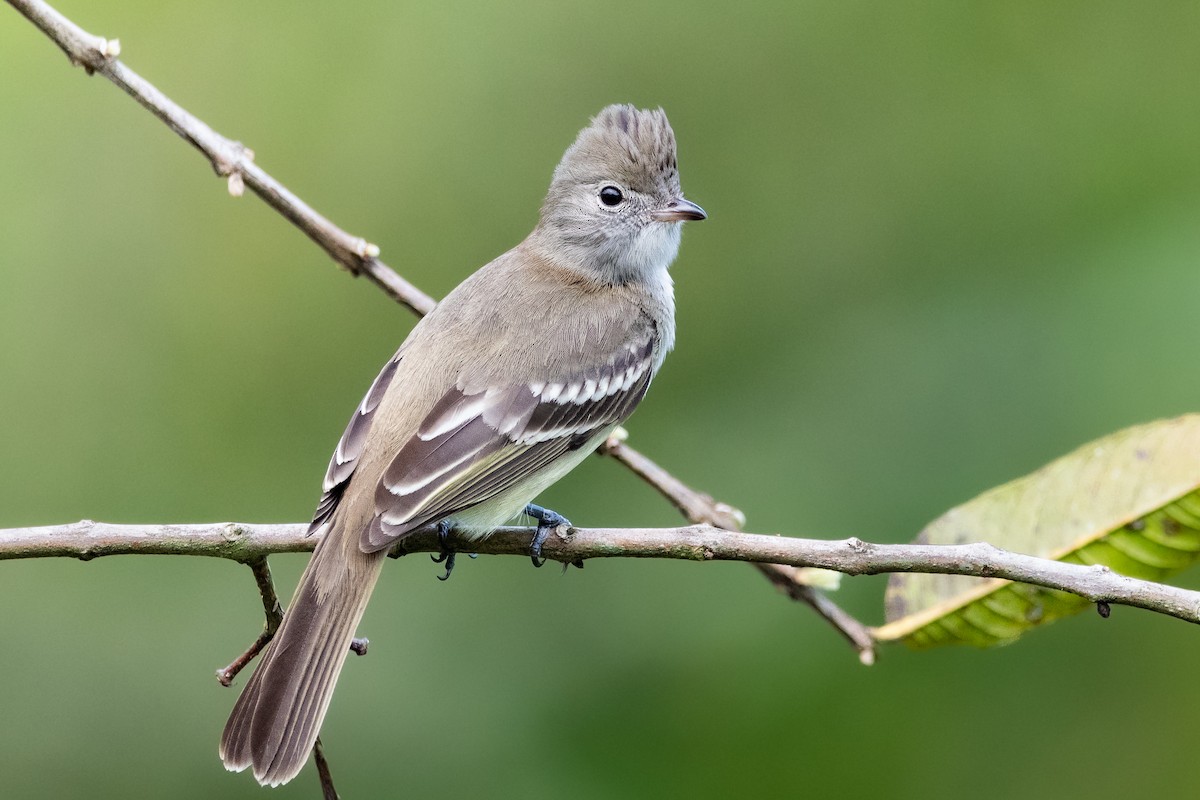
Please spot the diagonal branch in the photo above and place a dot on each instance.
(245, 542)
(229, 158)
(274, 614)
(235, 161)
(327, 790)
(700, 508)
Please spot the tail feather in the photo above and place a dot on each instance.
(235, 741)
(275, 722)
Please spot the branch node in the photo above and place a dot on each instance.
(228, 161)
(87, 50)
(725, 510)
(359, 646)
(857, 545)
(618, 436)
(1103, 609)
(990, 550)
(231, 532)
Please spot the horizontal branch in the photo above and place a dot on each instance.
(245, 542)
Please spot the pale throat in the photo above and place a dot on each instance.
(653, 249)
(643, 257)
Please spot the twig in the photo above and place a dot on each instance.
(859, 635)
(230, 159)
(700, 508)
(852, 556)
(274, 614)
(695, 506)
(327, 790)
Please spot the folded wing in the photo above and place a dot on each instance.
(474, 445)
(345, 457)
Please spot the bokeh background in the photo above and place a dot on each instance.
(948, 242)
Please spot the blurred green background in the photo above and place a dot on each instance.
(948, 242)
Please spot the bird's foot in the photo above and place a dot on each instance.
(547, 521)
(448, 553)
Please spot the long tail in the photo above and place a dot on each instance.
(275, 722)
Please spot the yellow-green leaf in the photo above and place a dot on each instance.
(1130, 501)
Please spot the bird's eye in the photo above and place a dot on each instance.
(611, 196)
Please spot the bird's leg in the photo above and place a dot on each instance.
(448, 553)
(547, 521)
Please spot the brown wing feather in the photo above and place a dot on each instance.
(345, 456)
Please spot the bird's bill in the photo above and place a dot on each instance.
(678, 211)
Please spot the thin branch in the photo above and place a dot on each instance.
(242, 542)
(230, 159)
(701, 509)
(326, 778)
(274, 616)
(857, 634)
(695, 506)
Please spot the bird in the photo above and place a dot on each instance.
(510, 382)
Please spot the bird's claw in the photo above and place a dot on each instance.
(547, 521)
(447, 553)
